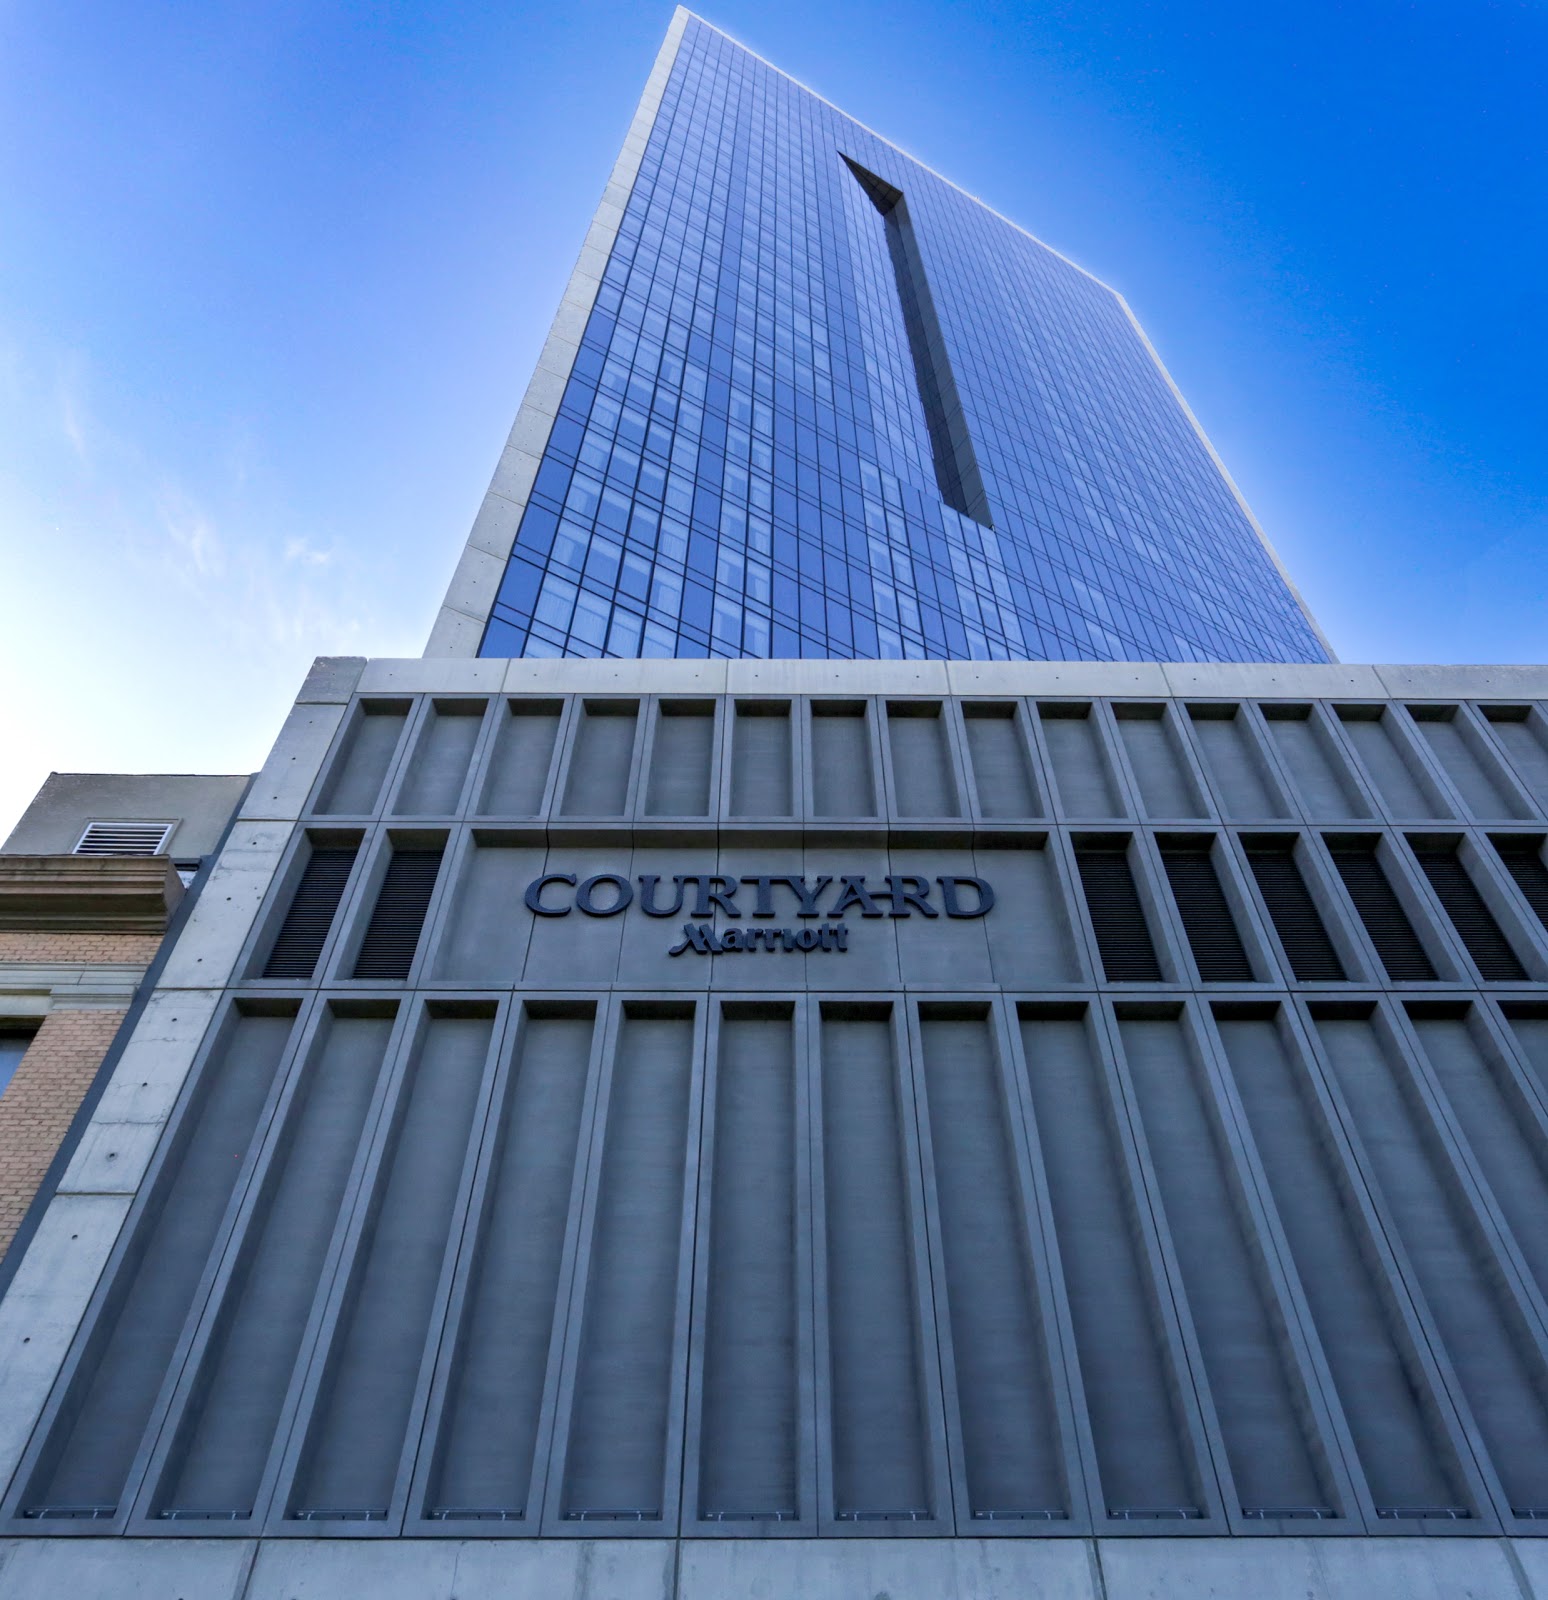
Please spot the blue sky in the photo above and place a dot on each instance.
(273, 277)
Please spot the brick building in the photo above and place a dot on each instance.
(90, 881)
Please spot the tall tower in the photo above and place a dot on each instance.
(734, 1128)
(806, 398)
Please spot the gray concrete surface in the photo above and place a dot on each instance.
(200, 805)
(840, 1569)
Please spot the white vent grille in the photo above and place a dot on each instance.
(124, 838)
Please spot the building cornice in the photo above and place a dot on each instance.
(87, 894)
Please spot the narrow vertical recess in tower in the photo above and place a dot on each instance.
(956, 465)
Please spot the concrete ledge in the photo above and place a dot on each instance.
(1271, 679)
(900, 1569)
(455, 1569)
(123, 1569)
(774, 1569)
(837, 677)
(1057, 677)
(616, 677)
(415, 675)
(1473, 683)
(1143, 679)
(1313, 1569)
(81, 985)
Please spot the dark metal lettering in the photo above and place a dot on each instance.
(715, 895)
(584, 902)
(807, 897)
(648, 882)
(701, 940)
(906, 891)
(534, 894)
(954, 907)
(710, 897)
(765, 887)
(852, 892)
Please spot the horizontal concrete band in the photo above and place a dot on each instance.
(335, 678)
(958, 1569)
(29, 988)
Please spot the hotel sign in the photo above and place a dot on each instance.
(715, 905)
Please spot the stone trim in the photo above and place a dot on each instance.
(87, 894)
(33, 989)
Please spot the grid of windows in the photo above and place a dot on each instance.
(741, 464)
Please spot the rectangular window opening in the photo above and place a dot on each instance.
(956, 465)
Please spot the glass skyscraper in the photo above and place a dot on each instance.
(826, 404)
(723, 1129)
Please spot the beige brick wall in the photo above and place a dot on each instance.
(62, 947)
(42, 1097)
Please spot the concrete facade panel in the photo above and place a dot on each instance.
(439, 1569)
(111, 1157)
(142, 1569)
(836, 677)
(416, 675)
(475, 583)
(920, 1569)
(1312, 1569)
(332, 680)
(1276, 680)
(517, 466)
(616, 677)
(212, 939)
(157, 1056)
(1056, 677)
(1476, 682)
(287, 776)
(45, 1303)
(450, 630)
(494, 528)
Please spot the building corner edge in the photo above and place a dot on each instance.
(459, 626)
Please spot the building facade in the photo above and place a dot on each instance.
(943, 1124)
(90, 881)
(689, 1127)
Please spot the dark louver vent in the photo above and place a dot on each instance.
(1486, 944)
(1293, 912)
(305, 928)
(1523, 860)
(1206, 915)
(1381, 911)
(1117, 918)
(392, 936)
